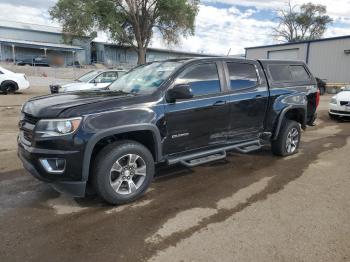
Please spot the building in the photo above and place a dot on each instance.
(112, 55)
(327, 58)
(26, 41)
(20, 41)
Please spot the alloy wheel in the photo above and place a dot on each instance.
(292, 140)
(127, 174)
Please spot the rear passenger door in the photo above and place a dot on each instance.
(203, 120)
(247, 95)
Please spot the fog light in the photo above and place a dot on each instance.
(53, 165)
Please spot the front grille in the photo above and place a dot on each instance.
(344, 103)
(30, 119)
(26, 126)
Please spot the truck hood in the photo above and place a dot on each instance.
(51, 106)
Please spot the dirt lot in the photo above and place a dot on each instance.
(254, 207)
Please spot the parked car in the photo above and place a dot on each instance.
(187, 111)
(94, 80)
(321, 84)
(10, 82)
(339, 106)
(36, 61)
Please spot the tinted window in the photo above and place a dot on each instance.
(242, 75)
(299, 73)
(280, 73)
(203, 79)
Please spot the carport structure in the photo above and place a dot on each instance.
(12, 50)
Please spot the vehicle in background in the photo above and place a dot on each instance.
(339, 106)
(10, 82)
(321, 84)
(177, 111)
(93, 80)
(36, 61)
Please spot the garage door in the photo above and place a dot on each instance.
(290, 54)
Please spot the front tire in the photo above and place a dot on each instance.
(288, 140)
(122, 172)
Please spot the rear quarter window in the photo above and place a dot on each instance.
(288, 73)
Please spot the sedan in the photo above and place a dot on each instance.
(339, 105)
(10, 82)
(94, 80)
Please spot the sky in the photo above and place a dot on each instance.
(222, 26)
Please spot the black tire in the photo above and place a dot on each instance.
(102, 175)
(8, 87)
(279, 146)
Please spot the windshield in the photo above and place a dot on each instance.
(87, 77)
(145, 79)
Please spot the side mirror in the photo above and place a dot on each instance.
(181, 91)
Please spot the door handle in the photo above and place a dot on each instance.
(219, 103)
(258, 96)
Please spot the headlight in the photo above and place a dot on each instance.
(333, 101)
(57, 127)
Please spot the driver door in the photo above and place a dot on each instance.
(203, 120)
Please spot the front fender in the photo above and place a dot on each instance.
(115, 131)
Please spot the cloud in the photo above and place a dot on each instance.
(220, 24)
(218, 30)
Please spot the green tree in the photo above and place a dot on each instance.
(128, 22)
(307, 22)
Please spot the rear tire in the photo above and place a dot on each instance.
(122, 172)
(288, 140)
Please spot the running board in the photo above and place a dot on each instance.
(203, 160)
(199, 158)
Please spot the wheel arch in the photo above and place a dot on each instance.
(146, 134)
(292, 112)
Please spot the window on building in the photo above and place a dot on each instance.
(203, 79)
(242, 75)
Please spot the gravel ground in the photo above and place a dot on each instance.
(254, 207)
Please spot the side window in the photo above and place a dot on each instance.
(280, 73)
(242, 75)
(299, 73)
(203, 79)
(107, 77)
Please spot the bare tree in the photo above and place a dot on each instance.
(307, 22)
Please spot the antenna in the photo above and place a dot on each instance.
(229, 51)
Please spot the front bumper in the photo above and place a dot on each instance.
(338, 110)
(29, 158)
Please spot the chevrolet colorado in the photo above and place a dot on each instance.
(189, 111)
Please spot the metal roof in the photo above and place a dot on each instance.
(30, 27)
(158, 49)
(302, 42)
(32, 44)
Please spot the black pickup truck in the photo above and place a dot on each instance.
(188, 111)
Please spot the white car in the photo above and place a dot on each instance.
(10, 82)
(339, 105)
(94, 80)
